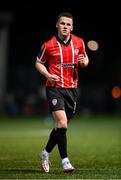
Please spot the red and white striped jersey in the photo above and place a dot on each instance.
(62, 60)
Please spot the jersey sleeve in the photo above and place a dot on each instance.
(82, 48)
(42, 55)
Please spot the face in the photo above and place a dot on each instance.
(64, 26)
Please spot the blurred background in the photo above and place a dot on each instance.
(25, 26)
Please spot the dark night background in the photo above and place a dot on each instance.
(33, 23)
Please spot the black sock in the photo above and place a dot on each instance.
(51, 142)
(62, 141)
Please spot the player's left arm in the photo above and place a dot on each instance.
(83, 57)
(83, 60)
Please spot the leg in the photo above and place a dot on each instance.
(61, 122)
(57, 136)
(45, 153)
(57, 106)
(52, 141)
(61, 128)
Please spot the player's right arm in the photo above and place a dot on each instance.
(39, 65)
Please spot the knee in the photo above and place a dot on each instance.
(61, 124)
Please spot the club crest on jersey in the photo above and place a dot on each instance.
(76, 51)
(54, 101)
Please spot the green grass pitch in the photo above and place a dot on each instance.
(94, 148)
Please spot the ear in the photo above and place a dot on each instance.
(57, 25)
(72, 28)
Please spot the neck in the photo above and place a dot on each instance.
(64, 38)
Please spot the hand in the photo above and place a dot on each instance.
(54, 78)
(83, 61)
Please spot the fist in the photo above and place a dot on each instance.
(83, 61)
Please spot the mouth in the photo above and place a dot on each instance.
(64, 31)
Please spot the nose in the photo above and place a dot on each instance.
(65, 26)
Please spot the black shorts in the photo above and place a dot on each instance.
(62, 99)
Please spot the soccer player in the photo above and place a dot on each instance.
(64, 52)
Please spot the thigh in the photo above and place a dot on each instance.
(55, 99)
(70, 99)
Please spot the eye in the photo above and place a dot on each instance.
(62, 23)
(68, 24)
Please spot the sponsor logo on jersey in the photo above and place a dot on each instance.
(65, 65)
(56, 54)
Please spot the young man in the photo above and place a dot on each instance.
(64, 52)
